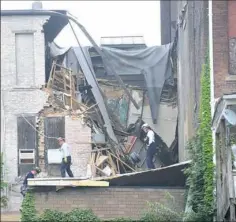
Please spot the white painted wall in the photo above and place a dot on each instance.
(166, 122)
(22, 76)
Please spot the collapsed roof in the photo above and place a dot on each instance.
(52, 27)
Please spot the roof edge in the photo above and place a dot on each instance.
(30, 12)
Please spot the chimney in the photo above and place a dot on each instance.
(37, 5)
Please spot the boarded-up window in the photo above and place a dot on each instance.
(53, 127)
(25, 72)
(27, 158)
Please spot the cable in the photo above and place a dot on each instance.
(49, 137)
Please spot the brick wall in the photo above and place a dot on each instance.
(78, 136)
(232, 36)
(192, 48)
(107, 203)
(27, 99)
(223, 83)
(232, 18)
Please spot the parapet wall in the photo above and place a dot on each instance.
(107, 203)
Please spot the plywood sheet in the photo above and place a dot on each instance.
(68, 183)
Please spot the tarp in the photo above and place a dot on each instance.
(56, 50)
(153, 62)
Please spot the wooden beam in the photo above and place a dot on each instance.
(68, 183)
(101, 160)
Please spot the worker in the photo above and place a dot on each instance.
(66, 158)
(31, 174)
(152, 148)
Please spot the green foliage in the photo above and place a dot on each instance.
(201, 171)
(82, 215)
(158, 212)
(155, 212)
(28, 211)
(4, 199)
(74, 215)
(29, 214)
(206, 138)
(52, 216)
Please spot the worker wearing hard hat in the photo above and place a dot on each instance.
(66, 158)
(29, 175)
(152, 149)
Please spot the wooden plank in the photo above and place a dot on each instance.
(58, 79)
(118, 166)
(92, 159)
(97, 158)
(68, 183)
(101, 160)
(113, 166)
(51, 75)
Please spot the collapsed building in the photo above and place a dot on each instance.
(95, 97)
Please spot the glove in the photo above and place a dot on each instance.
(65, 159)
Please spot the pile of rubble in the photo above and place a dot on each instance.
(71, 94)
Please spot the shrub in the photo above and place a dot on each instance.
(82, 215)
(28, 211)
(160, 212)
(4, 198)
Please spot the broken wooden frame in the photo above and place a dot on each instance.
(104, 163)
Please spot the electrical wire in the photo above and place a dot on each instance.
(50, 137)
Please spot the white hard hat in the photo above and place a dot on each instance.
(144, 125)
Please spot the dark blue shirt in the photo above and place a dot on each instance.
(29, 175)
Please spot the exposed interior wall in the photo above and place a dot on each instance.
(167, 119)
(107, 203)
(78, 137)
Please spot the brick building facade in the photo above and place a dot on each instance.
(24, 36)
(204, 27)
(22, 76)
(191, 22)
(108, 203)
(224, 47)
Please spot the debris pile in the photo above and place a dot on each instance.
(117, 147)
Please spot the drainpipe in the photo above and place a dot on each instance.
(211, 61)
(211, 57)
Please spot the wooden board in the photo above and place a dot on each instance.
(68, 183)
(101, 160)
(53, 127)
